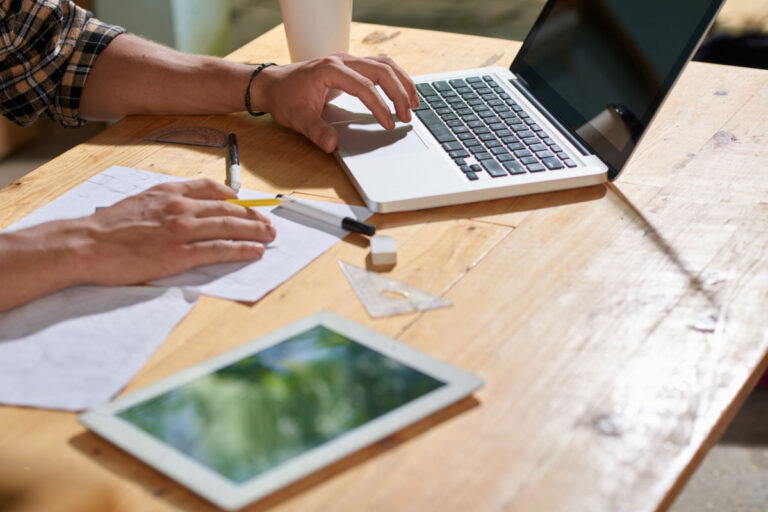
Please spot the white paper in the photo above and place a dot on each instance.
(77, 348)
(299, 239)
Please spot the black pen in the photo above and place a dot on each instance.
(233, 168)
(317, 212)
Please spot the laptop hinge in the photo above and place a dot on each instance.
(517, 84)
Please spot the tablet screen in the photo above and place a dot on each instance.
(250, 416)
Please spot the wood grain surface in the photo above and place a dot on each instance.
(617, 328)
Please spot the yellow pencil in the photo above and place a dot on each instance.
(272, 201)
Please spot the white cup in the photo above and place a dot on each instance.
(316, 28)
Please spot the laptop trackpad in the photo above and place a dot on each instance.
(368, 136)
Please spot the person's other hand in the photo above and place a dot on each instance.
(295, 94)
(168, 229)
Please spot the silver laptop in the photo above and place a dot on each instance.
(568, 113)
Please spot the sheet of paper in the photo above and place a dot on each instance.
(299, 239)
(77, 348)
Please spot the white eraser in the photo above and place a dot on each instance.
(383, 250)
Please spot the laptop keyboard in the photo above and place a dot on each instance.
(484, 130)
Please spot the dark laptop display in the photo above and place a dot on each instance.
(603, 67)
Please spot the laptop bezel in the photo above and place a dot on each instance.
(525, 75)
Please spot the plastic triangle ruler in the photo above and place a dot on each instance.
(383, 296)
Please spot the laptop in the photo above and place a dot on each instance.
(569, 111)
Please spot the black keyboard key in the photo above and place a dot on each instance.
(514, 168)
(459, 129)
(488, 96)
(482, 108)
(516, 146)
(441, 86)
(517, 108)
(562, 155)
(425, 89)
(477, 149)
(468, 118)
(483, 156)
(522, 153)
(423, 105)
(525, 133)
(509, 139)
(548, 141)
(539, 147)
(466, 136)
(496, 126)
(465, 91)
(464, 111)
(436, 126)
(499, 109)
(499, 151)
(536, 168)
(471, 176)
(530, 140)
(504, 96)
(504, 133)
(519, 127)
(488, 78)
(450, 116)
(529, 160)
(508, 157)
(443, 111)
(552, 163)
(470, 141)
(535, 127)
(449, 94)
(487, 114)
(474, 80)
(452, 146)
(475, 124)
(494, 102)
(556, 148)
(431, 98)
(456, 103)
(458, 82)
(493, 144)
(487, 136)
(475, 102)
(454, 122)
(475, 168)
(480, 130)
(494, 168)
(464, 167)
(529, 121)
(569, 163)
(545, 154)
(463, 153)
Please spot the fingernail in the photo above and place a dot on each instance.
(272, 231)
(327, 142)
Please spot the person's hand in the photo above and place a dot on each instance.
(162, 231)
(296, 94)
(171, 228)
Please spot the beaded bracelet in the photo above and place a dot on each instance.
(256, 71)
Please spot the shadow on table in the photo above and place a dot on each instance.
(128, 467)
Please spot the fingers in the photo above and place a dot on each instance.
(350, 81)
(405, 80)
(200, 189)
(383, 75)
(192, 229)
(208, 208)
(318, 131)
(221, 251)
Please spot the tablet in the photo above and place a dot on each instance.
(252, 420)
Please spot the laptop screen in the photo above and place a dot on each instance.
(603, 67)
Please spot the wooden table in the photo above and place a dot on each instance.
(618, 328)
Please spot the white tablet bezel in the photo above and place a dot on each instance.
(231, 496)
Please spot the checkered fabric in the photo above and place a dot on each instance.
(47, 49)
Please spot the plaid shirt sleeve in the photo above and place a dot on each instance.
(47, 49)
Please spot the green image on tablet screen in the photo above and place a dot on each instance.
(255, 414)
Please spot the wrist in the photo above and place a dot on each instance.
(256, 94)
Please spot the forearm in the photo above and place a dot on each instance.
(40, 260)
(135, 76)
